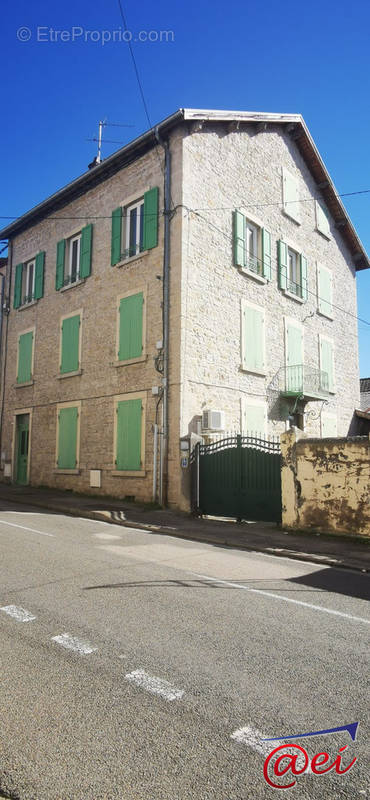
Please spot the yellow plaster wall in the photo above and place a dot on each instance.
(326, 483)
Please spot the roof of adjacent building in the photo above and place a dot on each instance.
(294, 124)
(364, 385)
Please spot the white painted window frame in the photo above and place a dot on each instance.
(26, 282)
(68, 272)
(126, 227)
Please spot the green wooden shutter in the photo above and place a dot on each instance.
(239, 239)
(294, 358)
(266, 254)
(116, 236)
(283, 264)
(67, 438)
(291, 195)
(328, 426)
(324, 291)
(128, 452)
(39, 275)
(25, 345)
(85, 251)
(253, 339)
(131, 327)
(322, 220)
(150, 237)
(254, 419)
(70, 344)
(18, 286)
(327, 362)
(59, 275)
(304, 277)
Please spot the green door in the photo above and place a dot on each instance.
(22, 447)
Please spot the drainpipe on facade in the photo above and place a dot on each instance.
(5, 300)
(163, 481)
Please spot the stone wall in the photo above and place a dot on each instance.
(326, 484)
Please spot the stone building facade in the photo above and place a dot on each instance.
(262, 305)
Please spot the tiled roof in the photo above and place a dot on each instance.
(364, 385)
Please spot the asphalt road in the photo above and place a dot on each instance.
(138, 666)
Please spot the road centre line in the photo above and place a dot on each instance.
(20, 614)
(282, 597)
(80, 646)
(24, 527)
(154, 685)
(251, 737)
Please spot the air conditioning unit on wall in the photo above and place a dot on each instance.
(213, 420)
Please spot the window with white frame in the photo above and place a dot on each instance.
(133, 228)
(72, 265)
(28, 282)
(252, 255)
(294, 273)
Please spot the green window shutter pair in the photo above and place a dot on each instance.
(70, 360)
(239, 245)
(150, 230)
(67, 438)
(253, 344)
(327, 362)
(322, 220)
(254, 419)
(131, 327)
(25, 347)
(324, 291)
(39, 280)
(128, 449)
(85, 257)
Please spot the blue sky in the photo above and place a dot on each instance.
(289, 57)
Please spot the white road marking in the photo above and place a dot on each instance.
(252, 738)
(33, 530)
(282, 597)
(80, 646)
(154, 685)
(106, 536)
(20, 614)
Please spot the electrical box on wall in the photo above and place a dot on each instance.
(213, 420)
(95, 478)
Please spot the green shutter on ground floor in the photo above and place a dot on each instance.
(327, 361)
(131, 327)
(67, 438)
(25, 345)
(70, 344)
(128, 447)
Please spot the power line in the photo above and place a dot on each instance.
(210, 209)
(275, 268)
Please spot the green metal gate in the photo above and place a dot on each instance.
(239, 476)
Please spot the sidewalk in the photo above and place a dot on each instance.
(335, 551)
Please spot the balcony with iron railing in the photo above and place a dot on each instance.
(300, 380)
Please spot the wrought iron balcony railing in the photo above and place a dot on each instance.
(300, 379)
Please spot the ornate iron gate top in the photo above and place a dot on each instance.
(269, 444)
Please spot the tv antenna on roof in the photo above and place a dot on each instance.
(103, 123)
